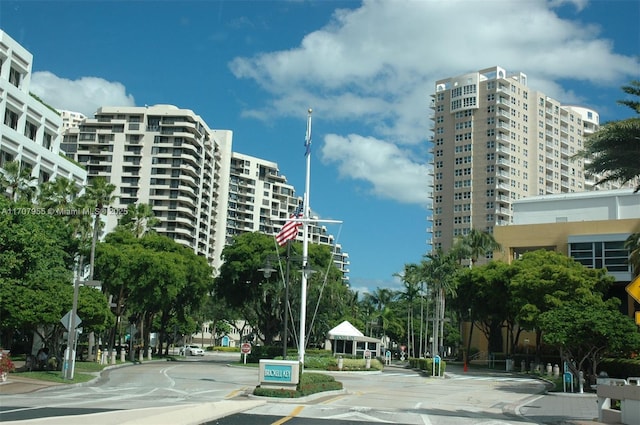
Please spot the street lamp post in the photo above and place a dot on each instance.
(70, 357)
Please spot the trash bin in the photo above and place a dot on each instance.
(509, 365)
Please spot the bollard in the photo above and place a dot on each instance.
(140, 355)
(340, 363)
(122, 355)
(581, 382)
(556, 370)
(368, 363)
(149, 356)
(113, 357)
(98, 356)
(549, 369)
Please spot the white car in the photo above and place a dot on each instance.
(192, 350)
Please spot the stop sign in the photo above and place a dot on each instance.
(245, 348)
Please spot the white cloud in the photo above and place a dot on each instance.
(373, 68)
(85, 94)
(389, 169)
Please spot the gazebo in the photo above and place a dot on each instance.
(347, 339)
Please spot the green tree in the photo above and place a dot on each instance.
(36, 290)
(259, 300)
(544, 280)
(587, 332)
(478, 290)
(153, 276)
(613, 151)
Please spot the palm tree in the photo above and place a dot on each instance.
(439, 270)
(410, 280)
(613, 151)
(99, 194)
(380, 298)
(139, 219)
(18, 181)
(633, 245)
(474, 245)
(58, 194)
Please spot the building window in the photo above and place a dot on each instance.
(47, 140)
(31, 130)
(15, 77)
(11, 119)
(601, 254)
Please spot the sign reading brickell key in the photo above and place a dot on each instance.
(633, 289)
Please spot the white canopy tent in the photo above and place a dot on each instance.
(348, 340)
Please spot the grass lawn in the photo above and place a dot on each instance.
(84, 372)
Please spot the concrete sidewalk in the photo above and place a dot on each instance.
(188, 414)
(17, 384)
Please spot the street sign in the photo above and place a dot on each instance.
(245, 348)
(66, 320)
(633, 289)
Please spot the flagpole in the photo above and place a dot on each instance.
(305, 245)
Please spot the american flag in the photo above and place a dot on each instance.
(290, 228)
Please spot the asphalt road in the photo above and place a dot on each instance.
(398, 396)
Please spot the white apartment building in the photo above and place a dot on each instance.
(71, 119)
(261, 200)
(166, 157)
(29, 132)
(496, 140)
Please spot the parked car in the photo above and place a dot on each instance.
(191, 350)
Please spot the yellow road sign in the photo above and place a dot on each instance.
(633, 289)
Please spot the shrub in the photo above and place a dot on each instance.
(357, 364)
(224, 349)
(426, 365)
(263, 352)
(620, 368)
(310, 383)
(322, 363)
(6, 365)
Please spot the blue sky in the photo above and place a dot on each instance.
(366, 68)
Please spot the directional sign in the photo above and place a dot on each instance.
(633, 289)
(66, 320)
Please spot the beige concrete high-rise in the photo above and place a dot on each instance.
(496, 140)
(166, 157)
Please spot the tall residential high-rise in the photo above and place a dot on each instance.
(496, 140)
(29, 132)
(261, 200)
(166, 157)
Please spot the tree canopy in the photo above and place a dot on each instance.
(612, 152)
